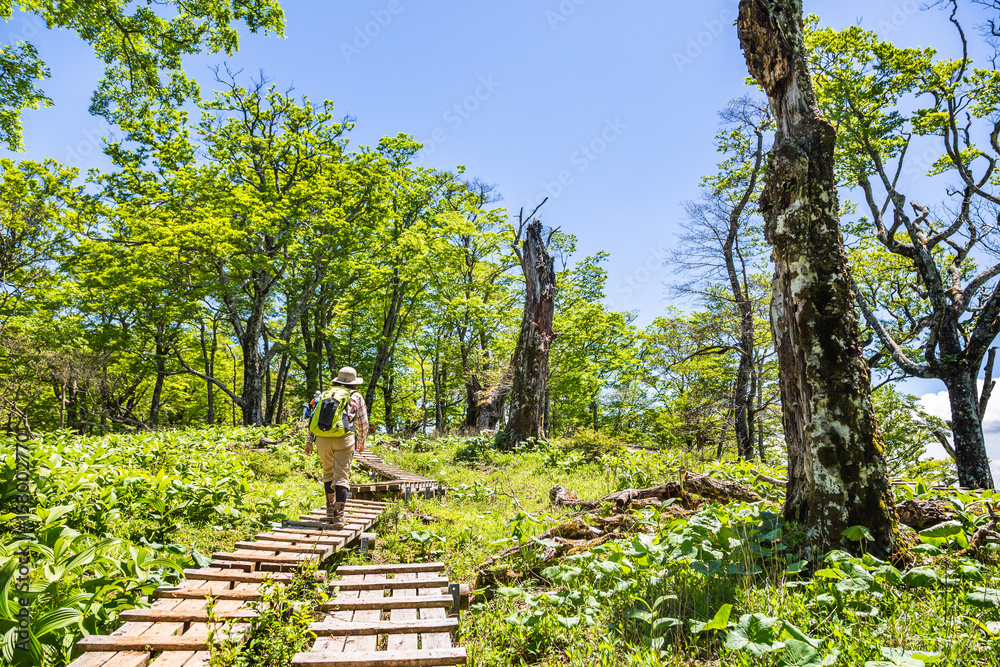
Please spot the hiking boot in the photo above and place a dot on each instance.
(337, 518)
(331, 506)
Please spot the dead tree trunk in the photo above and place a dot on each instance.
(836, 459)
(530, 363)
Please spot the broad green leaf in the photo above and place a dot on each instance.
(987, 598)
(858, 533)
(919, 577)
(718, 622)
(755, 633)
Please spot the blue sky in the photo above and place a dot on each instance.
(609, 108)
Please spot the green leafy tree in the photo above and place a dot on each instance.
(888, 103)
(137, 42)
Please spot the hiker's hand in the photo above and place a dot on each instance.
(309, 447)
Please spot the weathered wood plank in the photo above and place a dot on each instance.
(264, 557)
(366, 615)
(229, 594)
(237, 575)
(374, 582)
(159, 639)
(406, 642)
(340, 602)
(288, 548)
(390, 567)
(394, 626)
(432, 640)
(419, 658)
(183, 616)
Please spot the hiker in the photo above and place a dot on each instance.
(339, 421)
(308, 408)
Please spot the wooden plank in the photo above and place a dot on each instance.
(401, 642)
(321, 538)
(175, 616)
(287, 548)
(172, 659)
(335, 644)
(365, 616)
(193, 594)
(419, 658)
(315, 532)
(159, 638)
(384, 568)
(155, 633)
(432, 640)
(236, 575)
(234, 565)
(398, 624)
(141, 643)
(91, 660)
(128, 659)
(129, 629)
(374, 582)
(340, 602)
(265, 557)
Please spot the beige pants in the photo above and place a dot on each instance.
(336, 455)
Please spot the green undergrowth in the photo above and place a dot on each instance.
(113, 517)
(726, 585)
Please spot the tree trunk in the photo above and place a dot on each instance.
(530, 363)
(836, 459)
(161, 374)
(472, 389)
(208, 359)
(387, 390)
(743, 391)
(252, 395)
(390, 334)
(277, 398)
(491, 404)
(970, 446)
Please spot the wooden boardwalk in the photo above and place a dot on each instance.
(174, 631)
(386, 616)
(394, 480)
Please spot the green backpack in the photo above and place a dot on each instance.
(330, 419)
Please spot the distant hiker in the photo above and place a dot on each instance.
(339, 418)
(308, 408)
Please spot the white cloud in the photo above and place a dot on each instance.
(937, 405)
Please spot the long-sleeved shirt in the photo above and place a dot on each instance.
(357, 412)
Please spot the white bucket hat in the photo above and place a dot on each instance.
(348, 377)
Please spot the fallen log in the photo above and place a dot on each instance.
(560, 495)
(621, 499)
(921, 514)
(718, 489)
(773, 481)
